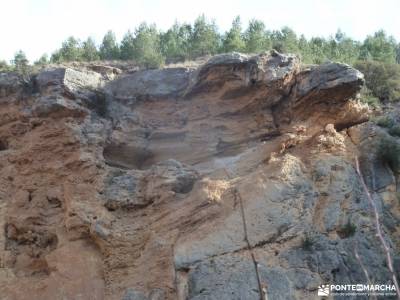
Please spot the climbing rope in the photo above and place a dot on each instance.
(238, 197)
(379, 231)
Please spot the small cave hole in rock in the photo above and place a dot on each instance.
(54, 201)
(185, 186)
(127, 157)
(3, 145)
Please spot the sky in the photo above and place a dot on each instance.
(40, 26)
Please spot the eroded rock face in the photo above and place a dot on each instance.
(10, 83)
(70, 80)
(142, 85)
(178, 183)
(265, 77)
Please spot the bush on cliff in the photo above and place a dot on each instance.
(395, 130)
(368, 97)
(384, 121)
(388, 153)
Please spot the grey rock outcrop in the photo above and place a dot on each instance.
(72, 82)
(345, 80)
(136, 189)
(10, 83)
(150, 84)
(233, 277)
(121, 190)
(56, 107)
(273, 210)
(237, 75)
(132, 294)
(323, 90)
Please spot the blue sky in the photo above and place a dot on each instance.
(40, 26)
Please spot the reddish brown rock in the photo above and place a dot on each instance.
(139, 187)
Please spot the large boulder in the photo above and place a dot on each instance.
(56, 107)
(136, 189)
(121, 190)
(150, 84)
(267, 76)
(70, 82)
(324, 93)
(320, 81)
(10, 83)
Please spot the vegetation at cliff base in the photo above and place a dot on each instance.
(378, 56)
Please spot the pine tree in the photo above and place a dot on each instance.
(304, 50)
(20, 62)
(256, 38)
(285, 40)
(70, 49)
(109, 49)
(233, 39)
(380, 47)
(317, 50)
(175, 42)
(127, 47)
(42, 61)
(146, 46)
(204, 39)
(89, 50)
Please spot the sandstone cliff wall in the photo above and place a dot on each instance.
(213, 182)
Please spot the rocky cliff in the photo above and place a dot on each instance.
(231, 180)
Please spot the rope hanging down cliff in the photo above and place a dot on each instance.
(379, 231)
(261, 289)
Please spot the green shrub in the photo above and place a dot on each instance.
(388, 152)
(385, 121)
(20, 63)
(394, 130)
(42, 61)
(348, 230)
(371, 101)
(382, 79)
(368, 98)
(308, 242)
(151, 60)
(4, 67)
